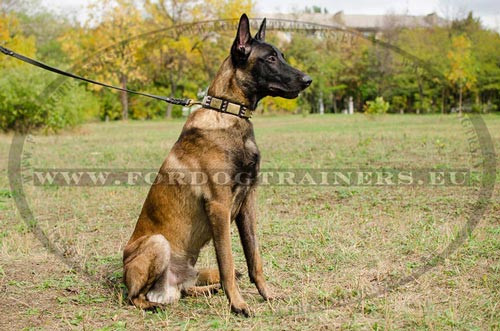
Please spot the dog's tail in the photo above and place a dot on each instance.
(212, 277)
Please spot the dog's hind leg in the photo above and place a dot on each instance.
(146, 265)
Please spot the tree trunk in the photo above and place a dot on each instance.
(334, 99)
(460, 100)
(442, 101)
(420, 93)
(351, 106)
(124, 97)
(478, 102)
(321, 104)
(168, 113)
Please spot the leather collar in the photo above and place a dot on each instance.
(225, 106)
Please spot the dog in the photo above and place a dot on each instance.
(177, 220)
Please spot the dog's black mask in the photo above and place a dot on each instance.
(263, 68)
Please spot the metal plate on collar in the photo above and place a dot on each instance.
(216, 103)
(233, 108)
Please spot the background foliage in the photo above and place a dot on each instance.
(460, 66)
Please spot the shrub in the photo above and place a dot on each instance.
(109, 105)
(379, 106)
(24, 109)
(177, 112)
(278, 105)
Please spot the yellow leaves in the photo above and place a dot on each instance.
(164, 59)
(280, 104)
(184, 44)
(462, 67)
(292, 61)
(107, 39)
(231, 8)
(71, 43)
(4, 26)
(12, 37)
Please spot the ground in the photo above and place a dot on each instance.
(329, 251)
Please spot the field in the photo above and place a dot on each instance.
(330, 252)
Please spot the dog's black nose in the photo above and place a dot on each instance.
(306, 80)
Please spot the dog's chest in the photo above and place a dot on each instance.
(246, 163)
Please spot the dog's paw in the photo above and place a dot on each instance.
(241, 309)
(157, 297)
(164, 296)
(267, 294)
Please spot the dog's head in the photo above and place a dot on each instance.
(262, 67)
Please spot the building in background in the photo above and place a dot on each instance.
(367, 24)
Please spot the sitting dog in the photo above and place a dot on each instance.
(177, 219)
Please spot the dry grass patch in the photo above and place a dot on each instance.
(325, 248)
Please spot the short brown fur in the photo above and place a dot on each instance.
(177, 220)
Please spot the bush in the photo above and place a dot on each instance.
(379, 106)
(110, 107)
(278, 105)
(26, 105)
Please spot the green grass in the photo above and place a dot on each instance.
(324, 248)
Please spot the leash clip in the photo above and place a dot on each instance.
(192, 102)
(6, 51)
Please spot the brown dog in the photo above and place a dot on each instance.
(178, 219)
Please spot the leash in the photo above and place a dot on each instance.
(175, 101)
(210, 102)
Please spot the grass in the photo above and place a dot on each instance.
(325, 249)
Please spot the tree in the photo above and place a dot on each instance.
(484, 47)
(182, 59)
(426, 80)
(110, 24)
(462, 71)
(173, 62)
(319, 57)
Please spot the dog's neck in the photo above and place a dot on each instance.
(231, 85)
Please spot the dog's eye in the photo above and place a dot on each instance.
(271, 58)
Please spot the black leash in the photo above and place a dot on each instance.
(175, 101)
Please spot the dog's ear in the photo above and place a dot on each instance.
(261, 35)
(242, 44)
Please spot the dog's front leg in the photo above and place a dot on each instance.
(246, 222)
(219, 215)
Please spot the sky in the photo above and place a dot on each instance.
(487, 10)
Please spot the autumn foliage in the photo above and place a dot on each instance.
(147, 45)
